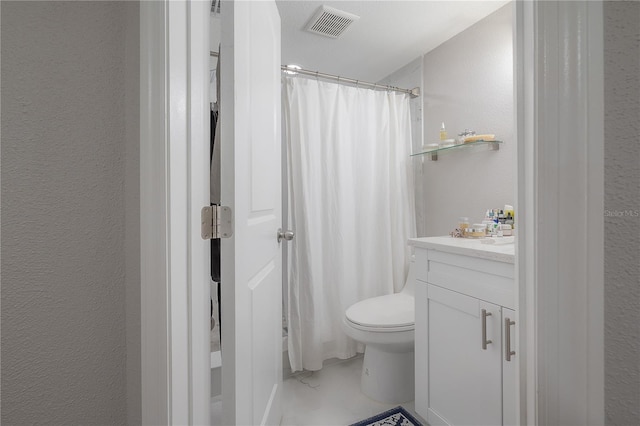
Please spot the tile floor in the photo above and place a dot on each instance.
(329, 397)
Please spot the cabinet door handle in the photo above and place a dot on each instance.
(507, 338)
(485, 342)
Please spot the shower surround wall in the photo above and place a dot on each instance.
(70, 342)
(410, 76)
(467, 83)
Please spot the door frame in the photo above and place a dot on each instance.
(565, 362)
(560, 203)
(174, 132)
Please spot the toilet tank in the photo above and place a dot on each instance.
(409, 284)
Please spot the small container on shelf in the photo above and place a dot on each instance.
(463, 135)
(446, 143)
(430, 147)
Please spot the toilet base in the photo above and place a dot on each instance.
(388, 376)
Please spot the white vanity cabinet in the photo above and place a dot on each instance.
(464, 298)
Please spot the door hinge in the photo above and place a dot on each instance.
(216, 222)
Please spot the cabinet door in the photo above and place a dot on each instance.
(464, 378)
(509, 369)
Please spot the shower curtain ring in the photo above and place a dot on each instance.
(317, 74)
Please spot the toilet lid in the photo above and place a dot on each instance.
(393, 310)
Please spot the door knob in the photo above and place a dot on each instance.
(286, 235)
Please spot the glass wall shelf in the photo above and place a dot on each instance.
(433, 153)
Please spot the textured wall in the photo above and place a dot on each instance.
(132, 210)
(64, 180)
(468, 83)
(622, 211)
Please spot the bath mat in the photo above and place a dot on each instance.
(395, 417)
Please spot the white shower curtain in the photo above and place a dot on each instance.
(351, 207)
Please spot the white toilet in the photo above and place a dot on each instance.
(385, 324)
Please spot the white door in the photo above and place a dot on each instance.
(251, 185)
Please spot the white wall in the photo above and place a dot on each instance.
(467, 82)
(622, 211)
(70, 262)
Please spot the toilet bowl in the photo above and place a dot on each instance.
(385, 325)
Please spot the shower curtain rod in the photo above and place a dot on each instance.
(414, 93)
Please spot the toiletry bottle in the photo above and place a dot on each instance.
(495, 223)
(443, 132)
(463, 224)
(509, 212)
(509, 220)
(501, 217)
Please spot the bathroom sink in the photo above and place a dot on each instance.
(498, 240)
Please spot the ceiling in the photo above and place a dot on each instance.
(388, 35)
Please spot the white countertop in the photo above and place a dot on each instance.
(468, 247)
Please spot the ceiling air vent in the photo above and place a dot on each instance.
(330, 22)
